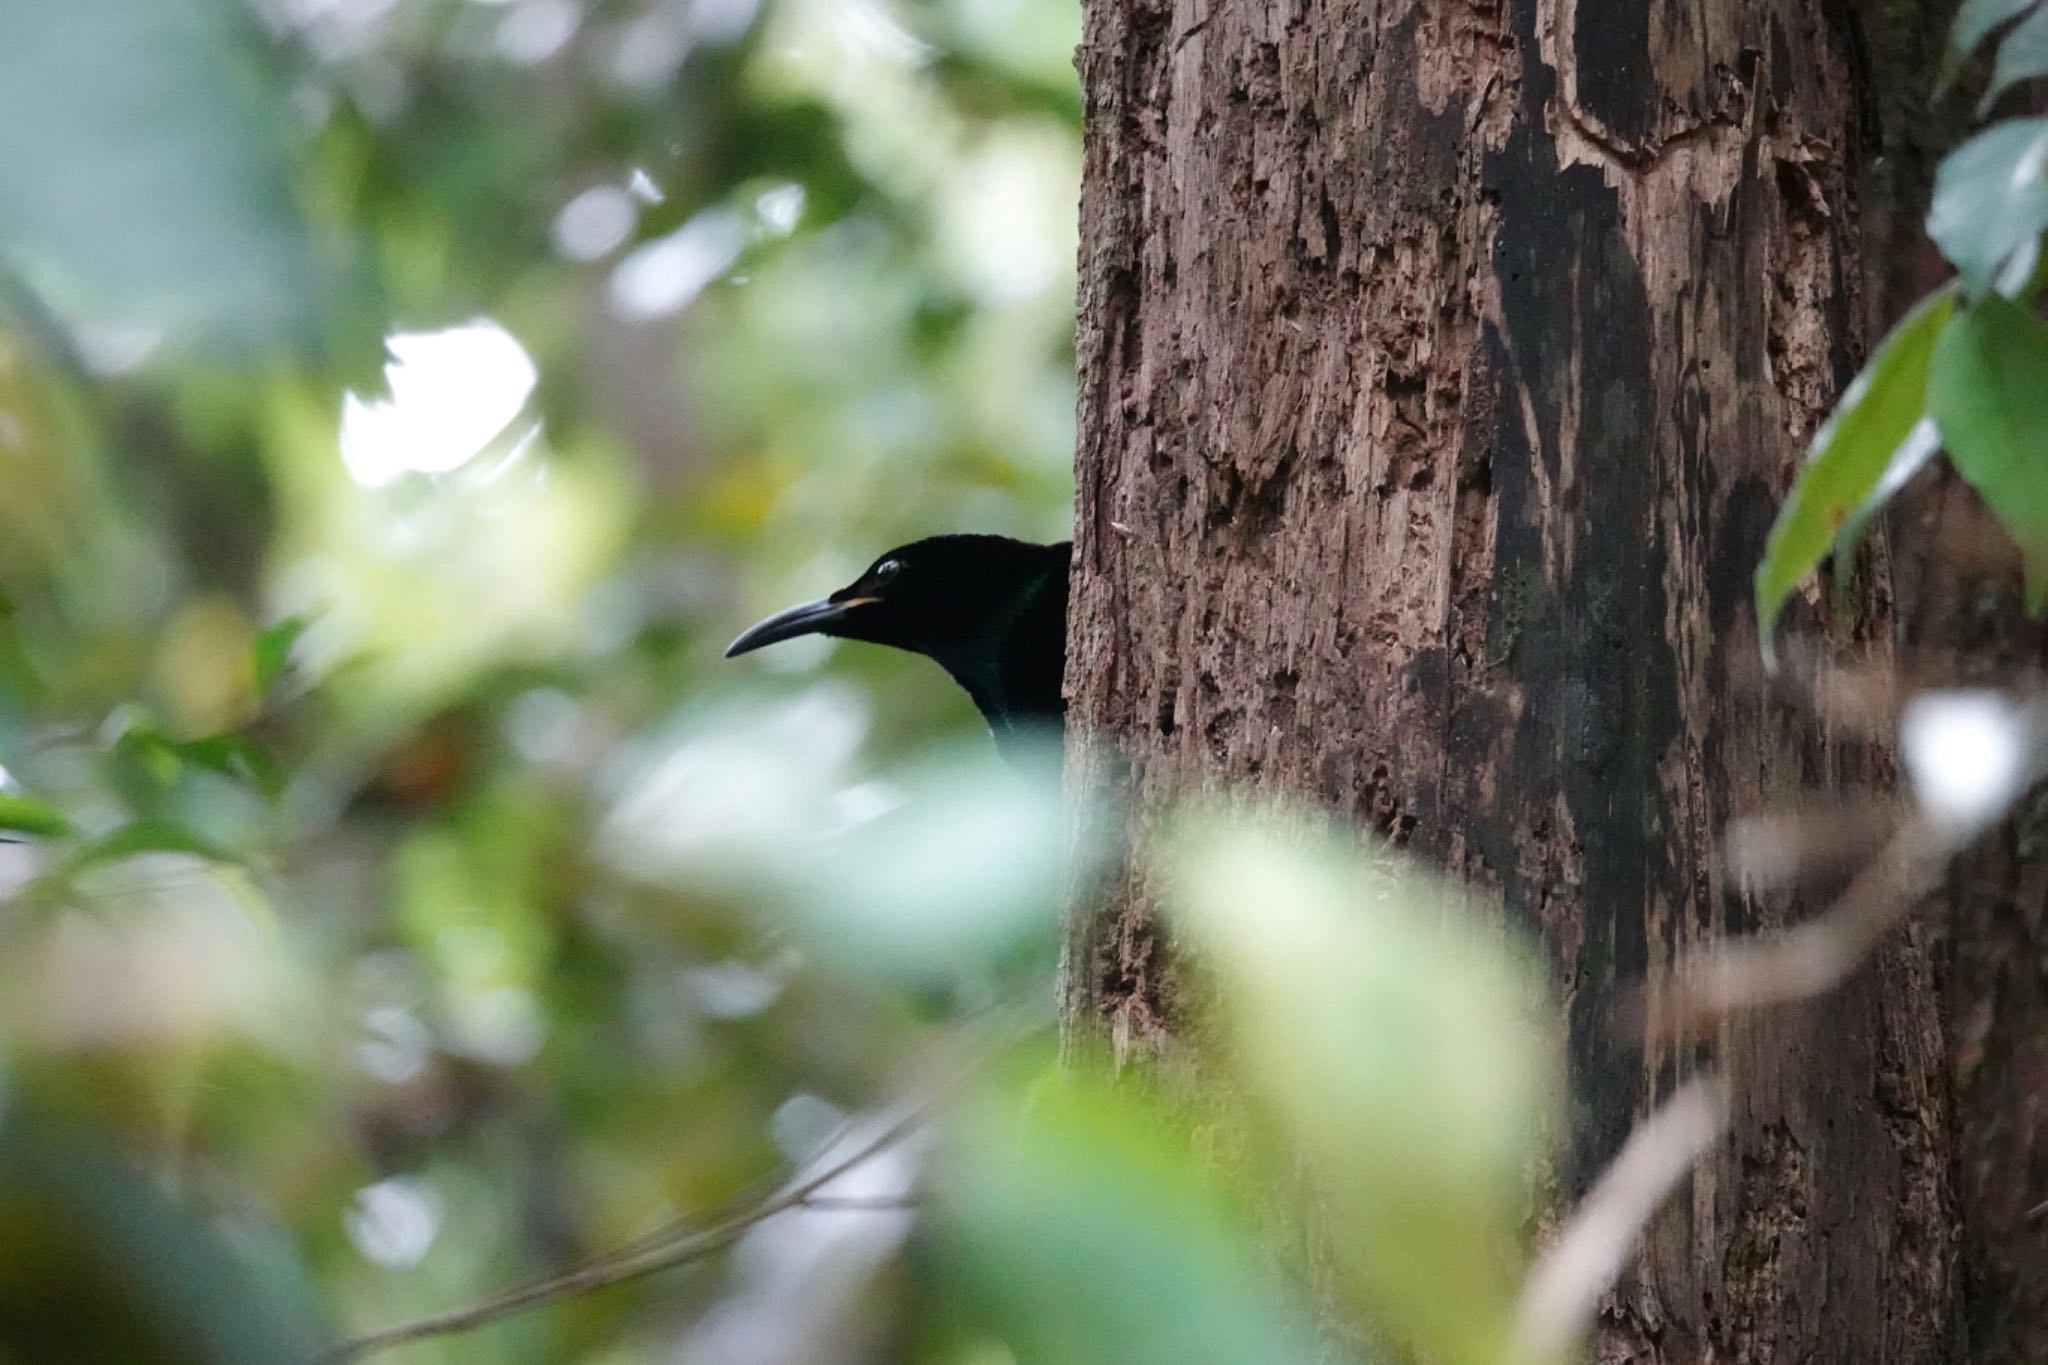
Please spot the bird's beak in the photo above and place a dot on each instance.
(811, 618)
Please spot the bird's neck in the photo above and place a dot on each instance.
(976, 668)
(984, 663)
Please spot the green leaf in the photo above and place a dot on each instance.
(97, 1262)
(1085, 1234)
(147, 836)
(1991, 199)
(239, 757)
(1988, 393)
(1867, 449)
(1973, 23)
(2022, 56)
(148, 185)
(142, 762)
(1405, 1048)
(29, 815)
(947, 873)
(272, 650)
(958, 880)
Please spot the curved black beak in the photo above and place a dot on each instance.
(810, 618)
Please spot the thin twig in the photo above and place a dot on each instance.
(1812, 957)
(614, 1270)
(1789, 850)
(683, 1243)
(1564, 1287)
(861, 1203)
(732, 1205)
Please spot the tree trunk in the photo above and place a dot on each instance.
(1442, 368)
(1964, 624)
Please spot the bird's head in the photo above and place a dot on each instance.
(933, 596)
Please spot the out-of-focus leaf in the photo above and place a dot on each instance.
(1973, 23)
(961, 875)
(1991, 199)
(732, 797)
(30, 815)
(203, 675)
(50, 461)
(488, 569)
(96, 1264)
(142, 762)
(467, 905)
(272, 649)
(944, 872)
(1866, 451)
(147, 188)
(169, 963)
(147, 836)
(1397, 1045)
(239, 757)
(1988, 392)
(1085, 1235)
(799, 140)
(2022, 56)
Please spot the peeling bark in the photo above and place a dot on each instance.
(1442, 368)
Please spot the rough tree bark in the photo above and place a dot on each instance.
(1962, 625)
(1442, 367)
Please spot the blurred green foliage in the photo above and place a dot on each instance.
(401, 403)
(1355, 982)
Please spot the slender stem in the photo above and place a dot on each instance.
(635, 1264)
(680, 1244)
(1565, 1286)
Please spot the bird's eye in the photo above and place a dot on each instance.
(886, 570)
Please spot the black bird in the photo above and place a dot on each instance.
(992, 611)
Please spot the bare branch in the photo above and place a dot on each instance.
(861, 1203)
(1565, 1285)
(990, 1029)
(733, 1205)
(1787, 850)
(619, 1269)
(1805, 961)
